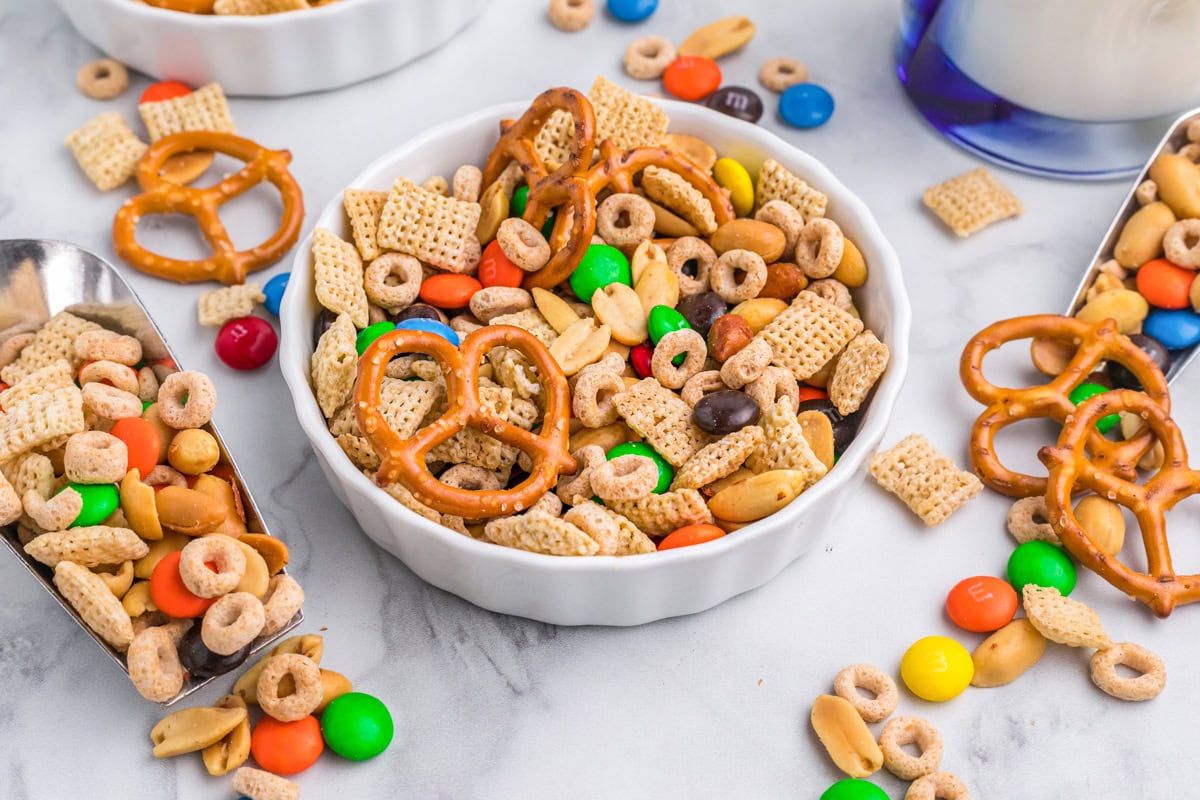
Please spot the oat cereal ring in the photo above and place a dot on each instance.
(147, 385)
(467, 183)
(1181, 243)
(571, 15)
(1146, 192)
(496, 301)
(680, 257)
(303, 701)
(592, 401)
(257, 784)
(55, 514)
(647, 58)
(724, 281)
(220, 551)
(773, 384)
(106, 345)
(937, 786)
(687, 341)
(154, 665)
(902, 731)
(523, 244)
(625, 478)
(469, 476)
(117, 375)
(874, 680)
(819, 248)
(95, 457)
(778, 73)
(109, 402)
(574, 489)
(162, 475)
(833, 291)
(103, 79)
(232, 622)
(787, 218)
(1024, 524)
(700, 384)
(625, 220)
(186, 399)
(1145, 686)
(11, 347)
(747, 364)
(393, 280)
(281, 602)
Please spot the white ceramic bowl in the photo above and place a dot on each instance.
(603, 590)
(273, 54)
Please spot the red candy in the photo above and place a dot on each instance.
(812, 393)
(495, 268)
(246, 343)
(448, 290)
(692, 77)
(689, 535)
(286, 748)
(1165, 285)
(981, 604)
(164, 90)
(640, 356)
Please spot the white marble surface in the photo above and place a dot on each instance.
(714, 705)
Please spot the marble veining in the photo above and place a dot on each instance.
(711, 706)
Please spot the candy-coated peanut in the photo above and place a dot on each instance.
(936, 668)
(732, 176)
(142, 442)
(1041, 564)
(692, 77)
(357, 726)
(1165, 285)
(448, 290)
(690, 535)
(286, 748)
(981, 604)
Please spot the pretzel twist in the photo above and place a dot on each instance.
(617, 168)
(1070, 470)
(565, 188)
(1095, 343)
(160, 196)
(403, 460)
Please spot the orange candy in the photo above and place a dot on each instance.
(981, 604)
(689, 535)
(447, 290)
(286, 748)
(164, 90)
(692, 77)
(1165, 285)
(812, 393)
(171, 595)
(142, 440)
(495, 268)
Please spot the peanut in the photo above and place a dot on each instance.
(118, 579)
(620, 308)
(1141, 237)
(645, 254)
(606, 438)
(818, 432)
(193, 452)
(138, 503)
(193, 729)
(1178, 181)
(755, 235)
(760, 496)
(845, 736)
(784, 281)
(1050, 356)
(1005, 655)
(1102, 521)
(718, 485)
(557, 312)
(169, 543)
(226, 755)
(760, 311)
(1128, 308)
(852, 269)
(670, 224)
(728, 334)
(257, 577)
(699, 151)
(579, 345)
(222, 492)
(334, 685)
(188, 511)
(718, 38)
(493, 209)
(137, 600)
(657, 286)
(273, 550)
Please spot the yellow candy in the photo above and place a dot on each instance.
(937, 668)
(731, 175)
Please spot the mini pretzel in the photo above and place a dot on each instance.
(161, 196)
(1094, 342)
(565, 188)
(403, 460)
(1071, 470)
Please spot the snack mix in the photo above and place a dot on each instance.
(115, 483)
(598, 341)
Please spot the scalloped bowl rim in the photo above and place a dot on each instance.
(239, 20)
(295, 343)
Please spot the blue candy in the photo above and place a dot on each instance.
(632, 10)
(806, 105)
(274, 291)
(429, 326)
(1177, 330)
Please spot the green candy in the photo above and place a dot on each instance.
(357, 726)
(662, 320)
(666, 473)
(368, 335)
(516, 208)
(600, 266)
(854, 789)
(1087, 390)
(100, 500)
(1042, 564)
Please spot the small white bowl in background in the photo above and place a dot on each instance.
(272, 54)
(602, 590)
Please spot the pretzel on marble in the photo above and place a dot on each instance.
(566, 188)
(161, 196)
(403, 460)
(1095, 343)
(1070, 470)
(617, 168)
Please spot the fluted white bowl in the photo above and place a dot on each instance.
(602, 590)
(273, 54)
